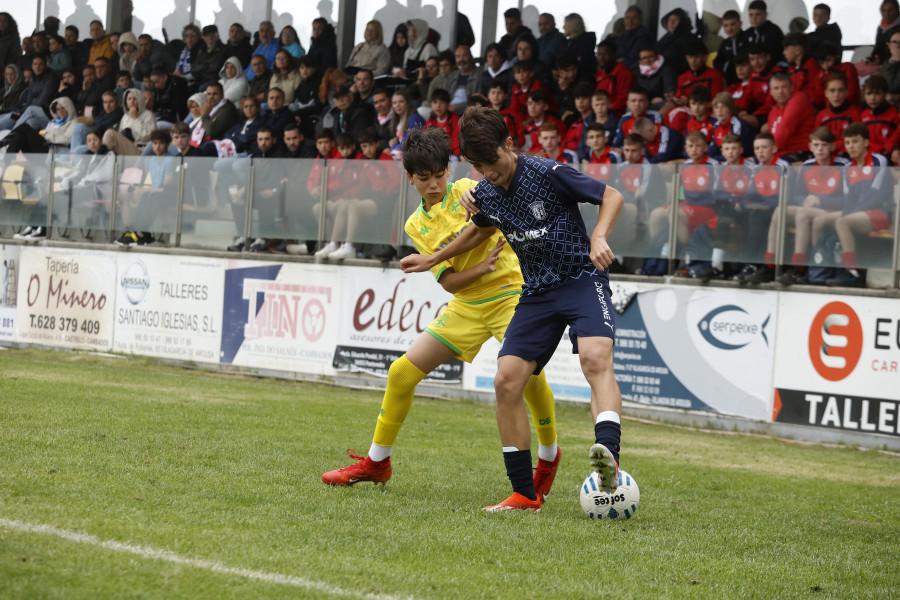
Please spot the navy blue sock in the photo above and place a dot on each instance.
(609, 433)
(518, 469)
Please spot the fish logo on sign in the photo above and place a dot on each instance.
(726, 328)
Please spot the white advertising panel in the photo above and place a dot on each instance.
(382, 313)
(680, 347)
(9, 275)
(169, 306)
(280, 316)
(66, 298)
(839, 363)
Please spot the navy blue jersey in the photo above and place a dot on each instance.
(540, 218)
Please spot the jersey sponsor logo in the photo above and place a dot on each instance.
(524, 236)
(604, 307)
(537, 209)
(835, 341)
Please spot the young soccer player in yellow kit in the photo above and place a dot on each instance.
(486, 283)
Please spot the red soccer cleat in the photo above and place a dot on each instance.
(364, 470)
(544, 474)
(515, 502)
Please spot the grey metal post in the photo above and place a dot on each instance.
(896, 262)
(673, 221)
(180, 205)
(249, 216)
(454, 11)
(323, 207)
(114, 200)
(782, 224)
(488, 25)
(401, 214)
(50, 195)
(346, 28)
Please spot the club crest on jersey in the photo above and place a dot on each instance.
(537, 209)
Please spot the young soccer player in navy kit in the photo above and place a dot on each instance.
(534, 202)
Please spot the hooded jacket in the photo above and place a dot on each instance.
(420, 50)
(141, 126)
(127, 62)
(672, 44)
(13, 91)
(236, 87)
(60, 131)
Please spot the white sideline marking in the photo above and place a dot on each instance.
(197, 563)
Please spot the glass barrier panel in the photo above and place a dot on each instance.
(285, 194)
(362, 201)
(24, 185)
(840, 217)
(82, 195)
(147, 198)
(214, 208)
(643, 226)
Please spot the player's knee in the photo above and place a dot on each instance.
(507, 387)
(596, 364)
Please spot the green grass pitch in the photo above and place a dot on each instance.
(123, 478)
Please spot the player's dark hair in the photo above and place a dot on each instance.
(496, 83)
(266, 129)
(731, 14)
(596, 127)
(639, 90)
(367, 136)
(343, 140)
(523, 65)
(477, 100)
(481, 133)
(440, 94)
(426, 151)
(566, 60)
(325, 133)
(743, 59)
(700, 93)
(876, 83)
(824, 7)
(539, 96)
(758, 5)
(634, 139)
(856, 129)
(162, 135)
(795, 39)
(827, 50)
(768, 137)
(733, 138)
(695, 47)
(583, 89)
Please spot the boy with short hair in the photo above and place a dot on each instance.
(727, 123)
(552, 147)
(576, 121)
(638, 102)
(538, 105)
(446, 119)
(664, 144)
(347, 147)
(819, 187)
(838, 112)
(697, 74)
(700, 120)
(880, 117)
(598, 152)
(740, 90)
(369, 146)
(486, 283)
(563, 87)
(803, 69)
(514, 121)
(535, 202)
(759, 205)
(867, 204)
(525, 83)
(829, 58)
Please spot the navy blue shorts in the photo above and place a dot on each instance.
(583, 304)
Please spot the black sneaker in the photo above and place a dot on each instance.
(37, 234)
(145, 238)
(129, 238)
(707, 273)
(763, 274)
(846, 279)
(745, 274)
(238, 245)
(259, 245)
(790, 276)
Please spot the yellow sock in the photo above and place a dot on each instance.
(403, 377)
(539, 398)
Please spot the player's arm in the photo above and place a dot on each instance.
(601, 254)
(454, 281)
(469, 239)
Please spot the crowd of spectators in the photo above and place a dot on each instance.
(691, 97)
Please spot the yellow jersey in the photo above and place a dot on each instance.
(432, 230)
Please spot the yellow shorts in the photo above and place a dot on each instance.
(465, 327)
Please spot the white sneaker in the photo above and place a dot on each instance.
(296, 249)
(327, 250)
(345, 251)
(23, 235)
(37, 234)
(603, 462)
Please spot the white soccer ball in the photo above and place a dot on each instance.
(618, 505)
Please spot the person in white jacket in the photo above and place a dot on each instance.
(234, 80)
(58, 131)
(137, 122)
